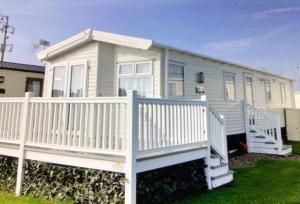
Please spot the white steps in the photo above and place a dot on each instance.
(222, 179)
(218, 172)
(259, 143)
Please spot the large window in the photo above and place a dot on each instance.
(229, 84)
(268, 91)
(69, 81)
(176, 80)
(58, 84)
(77, 81)
(136, 76)
(283, 93)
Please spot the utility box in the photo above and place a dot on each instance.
(293, 124)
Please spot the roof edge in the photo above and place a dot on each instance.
(219, 60)
(89, 35)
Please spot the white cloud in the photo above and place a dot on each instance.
(235, 46)
(268, 13)
(228, 46)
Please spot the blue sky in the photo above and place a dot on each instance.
(260, 33)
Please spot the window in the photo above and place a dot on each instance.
(2, 91)
(34, 85)
(1, 79)
(176, 80)
(229, 84)
(268, 91)
(136, 76)
(77, 81)
(69, 81)
(283, 93)
(126, 69)
(58, 84)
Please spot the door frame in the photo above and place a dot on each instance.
(35, 79)
(245, 94)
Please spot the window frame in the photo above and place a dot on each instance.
(183, 79)
(231, 74)
(84, 84)
(283, 99)
(126, 63)
(35, 79)
(68, 73)
(65, 79)
(265, 85)
(149, 74)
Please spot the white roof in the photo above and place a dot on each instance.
(128, 41)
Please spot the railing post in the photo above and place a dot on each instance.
(278, 133)
(224, 138)
(207, 159)
(247, 128)
(131, 148)
(23, 131)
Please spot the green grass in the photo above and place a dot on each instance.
(296, 147)
(270, 182)
(11, 199)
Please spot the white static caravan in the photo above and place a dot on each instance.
(112, 64)
(130, 105)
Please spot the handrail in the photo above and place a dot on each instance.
(215, 113)
(266, 124)
(171, 101)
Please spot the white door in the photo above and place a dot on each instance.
(293, 124)
(248, 83)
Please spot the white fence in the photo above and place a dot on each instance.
(170, 123)
(122, 126)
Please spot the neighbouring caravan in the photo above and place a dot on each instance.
(17, 78)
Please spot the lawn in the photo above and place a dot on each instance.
(296, 147)
(271, 181)
(11, 199)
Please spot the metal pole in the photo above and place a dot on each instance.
(3, 46)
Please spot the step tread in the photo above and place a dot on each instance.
(269, 142)
(285, 147)
(260, 136)
(219, 166)
(222, 175)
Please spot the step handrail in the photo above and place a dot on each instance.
(217, 132)
(269, 125)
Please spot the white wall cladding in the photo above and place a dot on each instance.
(106, 70)
(214, 88)
(87, 53)
(125, 54)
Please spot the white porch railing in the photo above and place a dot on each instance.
(99, 124)
(171, 123)
(262, 122)
(121, 126)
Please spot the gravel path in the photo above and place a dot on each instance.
(249, 160)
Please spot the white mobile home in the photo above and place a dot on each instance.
(109, 64)
(130, 105)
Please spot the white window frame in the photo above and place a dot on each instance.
(283, 99)
(231, 74)
(67, 82)
(127, 63)
(265, 84)
(180, 64)
(150, 74)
